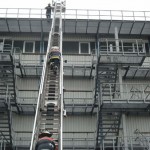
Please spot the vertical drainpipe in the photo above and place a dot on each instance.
(121, 93)
(116, 39)
(123, 115)
(41, 44)
(124, 132)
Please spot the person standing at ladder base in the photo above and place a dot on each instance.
(48, 11)
(54, 58)
(46, 142)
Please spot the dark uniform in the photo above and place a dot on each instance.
(48, 11)
(45, 143)
(54, 58)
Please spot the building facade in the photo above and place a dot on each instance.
(106, 77)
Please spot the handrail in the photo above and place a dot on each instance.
(142, 139)
(77, 14)
(132, 143)
(132, 92)
(135, 46)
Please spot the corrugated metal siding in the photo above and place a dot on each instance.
(22, 123)
(22, 36)
(136, 81)
(82, 130)
(24, 85)
(79, 124)
(78, 91)
(30, 59)
(80, 38)
(142, 123)
(78, 59)
(78, 97)
(27, 83)
(22, 129)
(146, 62)
(78, 84)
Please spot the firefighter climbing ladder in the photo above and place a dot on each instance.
(49, 111)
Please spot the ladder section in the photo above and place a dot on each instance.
(49, 111)
(50, 114)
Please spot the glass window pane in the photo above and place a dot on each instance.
(29, 47)
(92, 47)
(45, 46)
(18, 46)
(37, 46)
(8, 45)
(1, 44)
(70, 48)
(84, 48)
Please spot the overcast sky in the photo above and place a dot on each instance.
(139, 5)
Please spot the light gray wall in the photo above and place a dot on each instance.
(79, 130)
(27, 89)
(22, 129)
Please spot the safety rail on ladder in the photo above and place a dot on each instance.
(51, 86)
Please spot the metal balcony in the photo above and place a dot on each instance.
(78, 101)
(133, 142)
(122, 51)
(132, 96)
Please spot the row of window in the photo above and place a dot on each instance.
(41, 47)
(73, 47)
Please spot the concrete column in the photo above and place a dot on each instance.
(124, 132)
(116, 39)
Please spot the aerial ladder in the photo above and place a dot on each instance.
(49, 110)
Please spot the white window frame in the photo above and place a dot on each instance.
(89, 51)
(24, 44)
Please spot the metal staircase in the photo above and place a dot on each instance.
(5, 125)
(49, 111)
(108, 122)
(108, 126)
(7, 96)
(106, 74)
(7, 78)
(109, 67)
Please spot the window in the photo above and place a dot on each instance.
(18, 46)
(147, 48)
(92, 47)
(70, 47)
(37, 46)
(45, 46)
(1, 44)
(8, 44)
(84, 48)
(29, 47)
